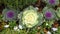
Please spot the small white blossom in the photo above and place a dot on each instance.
(36, 8)
(6, 26)
(48, 32)
(46, 24)
(54, 29)
(15, 28)
(20, 27)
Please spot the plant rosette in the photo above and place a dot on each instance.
(31, 17)
(51, 2)
(9, 15)
(49, 13)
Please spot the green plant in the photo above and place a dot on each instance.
(18, 4)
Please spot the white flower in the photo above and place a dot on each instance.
(48, 32)
(47, 24)
(15, 28)
(20, 27)
(54, 29)
(36, 8)
(6, 26)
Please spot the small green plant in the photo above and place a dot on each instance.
(18, 4)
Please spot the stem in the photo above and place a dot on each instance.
(28, 30)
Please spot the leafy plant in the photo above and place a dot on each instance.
(18, 4)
